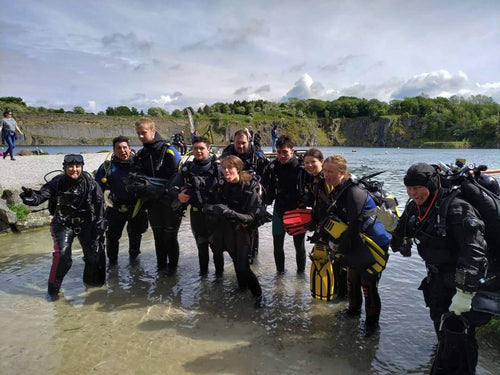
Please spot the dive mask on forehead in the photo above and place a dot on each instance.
(72, 159)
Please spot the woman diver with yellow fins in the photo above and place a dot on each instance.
(358, 239)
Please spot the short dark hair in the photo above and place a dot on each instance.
(200, 140)
(241, 132)
(315, 153)
(6, 112)
(120, 139)
(285, 141)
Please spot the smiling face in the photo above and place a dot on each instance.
(121, 150)
(200, 151)
(73, 171)
(313, 165)
(418, 193)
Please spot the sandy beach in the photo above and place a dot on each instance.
(29, 171)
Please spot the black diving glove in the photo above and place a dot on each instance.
(234, 216)
(215, 209)
(28, 196)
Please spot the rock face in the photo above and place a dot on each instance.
(67, 129)
(400, 132)
(9, 222)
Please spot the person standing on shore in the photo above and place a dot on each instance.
(77, 203)
(159, 159)
(111, 176)
(9, 136)
(274, 136)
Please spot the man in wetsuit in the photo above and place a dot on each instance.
(191, 187)
(284, 183)
(454, 250)
(111, 176)
(158, 159)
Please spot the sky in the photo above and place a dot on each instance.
(174, 54)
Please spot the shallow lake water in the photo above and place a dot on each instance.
(142, 322)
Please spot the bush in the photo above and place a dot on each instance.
(20, 210)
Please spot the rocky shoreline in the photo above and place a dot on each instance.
(30, 171)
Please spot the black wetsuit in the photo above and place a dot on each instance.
(458, 246)
(198, 177)
(285, 185)
(351, 206)
(78, 209)
(254, 162)
(231, 230)
(158, 159)
(116, 171)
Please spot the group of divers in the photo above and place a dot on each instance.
(227, 198)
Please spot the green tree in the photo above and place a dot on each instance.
(177, 113)
(79, 110)
(157, 112)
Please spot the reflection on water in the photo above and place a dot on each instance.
(143, 322)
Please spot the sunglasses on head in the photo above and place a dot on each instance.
(73, 159)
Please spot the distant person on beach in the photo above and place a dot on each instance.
(178, 141)
(77, 203)
(194, 135)
(111, 176)
(274, 136)
(9, 136)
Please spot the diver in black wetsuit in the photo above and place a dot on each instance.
(111, 176)
(191, 187)
(284, 183)
(233, 206)
(77, 204)
(454, 250)
(254, 162)
(159, 159)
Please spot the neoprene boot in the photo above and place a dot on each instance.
(279, 252)
(112, 246)
(134, 245)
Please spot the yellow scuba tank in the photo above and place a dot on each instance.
(321, 277)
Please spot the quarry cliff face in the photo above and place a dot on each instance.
(384, 132)
(67, 129)
(70, 129)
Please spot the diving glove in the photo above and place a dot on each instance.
(461, 302)
(28, 197)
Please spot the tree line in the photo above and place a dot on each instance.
(455, 118)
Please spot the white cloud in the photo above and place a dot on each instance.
(305, 88)
(91, 106)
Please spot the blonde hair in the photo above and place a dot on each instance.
(145, 121)
(236, 162)
(339, 162)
